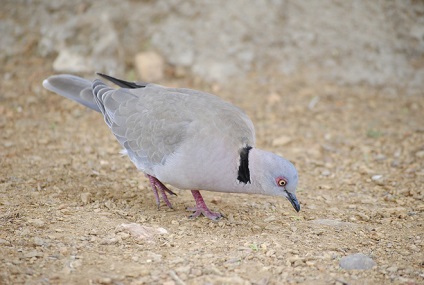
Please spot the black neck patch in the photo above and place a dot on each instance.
(244, 172)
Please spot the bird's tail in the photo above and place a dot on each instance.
(73, 87)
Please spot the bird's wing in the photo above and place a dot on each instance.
(233, 122)
(153, 122)
(147, 129)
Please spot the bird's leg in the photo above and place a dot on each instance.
(155, 190)
(163, 190)
(201, 208)
(163, 187)
(155, 183)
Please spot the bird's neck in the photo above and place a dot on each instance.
(250, 170)
(243, 174)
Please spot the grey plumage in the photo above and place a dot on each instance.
(187, 138)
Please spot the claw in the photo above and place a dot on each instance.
(201, 208)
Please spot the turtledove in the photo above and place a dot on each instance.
(185, 138)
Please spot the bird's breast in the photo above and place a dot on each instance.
(211, 166)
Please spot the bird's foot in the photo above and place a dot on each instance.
(201, 208)
(214, 216)
(157, 185)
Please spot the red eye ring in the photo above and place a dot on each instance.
(281, 181)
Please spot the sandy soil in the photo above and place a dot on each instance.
(66, 194)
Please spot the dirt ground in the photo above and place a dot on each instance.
(67, 195)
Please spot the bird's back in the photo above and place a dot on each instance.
(154, 123)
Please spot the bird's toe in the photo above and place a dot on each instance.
(214, 216)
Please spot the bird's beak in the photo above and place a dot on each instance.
(293, 200)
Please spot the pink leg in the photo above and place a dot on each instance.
(156, 184)
(201, 208)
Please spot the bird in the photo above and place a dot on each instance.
(189, 139)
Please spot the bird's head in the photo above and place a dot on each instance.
(274, 175)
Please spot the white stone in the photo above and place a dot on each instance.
(280, 141)
(357, 261)
(150, 66)
(67, 61)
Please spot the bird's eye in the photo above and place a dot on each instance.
(281, 182)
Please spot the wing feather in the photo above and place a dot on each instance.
(153, 122)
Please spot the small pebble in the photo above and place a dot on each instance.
(36, 222)
(357, 261)
(33, 253)
(363, 216)
(150, 66)
(376, 177)
(85, 197)
(38, 241)
(108, 241)
(380, 157)
(270, 219)
(105, 280)
(4, 242)
(420, 154)
(280, 141)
